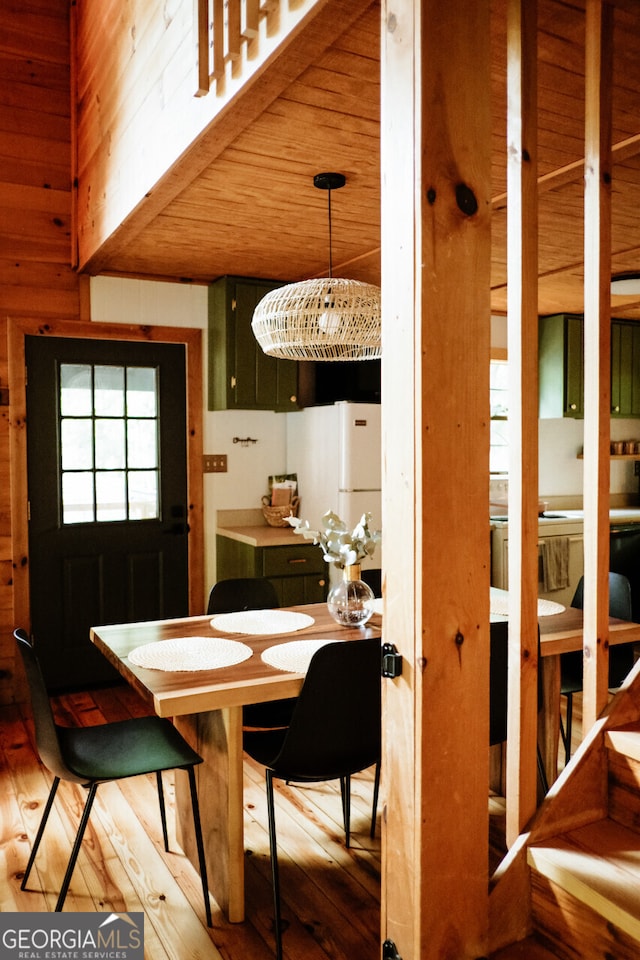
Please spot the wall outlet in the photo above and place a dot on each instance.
(215, 463)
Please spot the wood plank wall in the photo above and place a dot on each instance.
(36, 278)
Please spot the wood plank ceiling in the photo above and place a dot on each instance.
(254, 211)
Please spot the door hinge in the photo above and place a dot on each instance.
(234, 304)
(390, 951)
(391, 661)
(28, 510)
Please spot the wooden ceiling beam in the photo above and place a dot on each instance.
(630, 147)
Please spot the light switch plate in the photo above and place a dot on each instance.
(215, 463)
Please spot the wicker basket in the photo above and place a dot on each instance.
(276, 516)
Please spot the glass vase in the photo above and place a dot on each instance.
(351, 601)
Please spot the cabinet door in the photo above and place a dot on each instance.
(625, 369)
(561, 375)
(500, 564)
(576, 569)
(241, 376)
(262, 382)
(574, 367)
(294, 591)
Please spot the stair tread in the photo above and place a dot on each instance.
(599, 864)
(625, 740)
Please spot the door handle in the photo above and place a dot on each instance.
(177, 529)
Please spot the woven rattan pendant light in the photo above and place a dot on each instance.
(325, 319)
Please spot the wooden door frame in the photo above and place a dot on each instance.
(20, 328)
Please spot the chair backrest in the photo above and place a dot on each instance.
(335, 726)
(242, 593)
(621, 656)
(373, 577)
(498, 683)
(619, 596)
(47, 739)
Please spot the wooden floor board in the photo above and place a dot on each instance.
(331, 894)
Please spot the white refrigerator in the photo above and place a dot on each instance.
(336, 452)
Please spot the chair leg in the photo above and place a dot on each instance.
(567, 742)
(163, 813)
(374, 810)
(542, 773)
(345, 793)
(76, 846)
(197, 827)
(275, 875)
(43, 821)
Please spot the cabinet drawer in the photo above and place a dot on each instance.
(292, 561)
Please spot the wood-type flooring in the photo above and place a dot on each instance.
(331, 895)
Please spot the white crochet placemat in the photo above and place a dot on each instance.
(261, 621)
(190, 653)
(499, 604)
(295, 655)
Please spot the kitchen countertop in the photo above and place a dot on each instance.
(249, 526)
(617, 515)
(262, 535)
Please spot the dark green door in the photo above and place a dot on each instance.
(106, 448)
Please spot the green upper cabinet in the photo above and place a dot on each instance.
(561, 373)
(241, 376)
(625, 368)
(561, 355)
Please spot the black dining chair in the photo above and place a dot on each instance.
(242, 593)
(251, 593)
(373, 577)
(498, 692)
(334, 733)
(621, 655)
(111, 751)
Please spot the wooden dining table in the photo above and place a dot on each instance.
(206, 706)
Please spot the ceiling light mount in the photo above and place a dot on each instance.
(329, 181)
(324, 319)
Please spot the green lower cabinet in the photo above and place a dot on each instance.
(293, 591)
(298, 572)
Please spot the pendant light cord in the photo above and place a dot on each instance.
(330, 250)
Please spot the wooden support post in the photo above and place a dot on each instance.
(522, 300)
(435, 381)
(597, 353)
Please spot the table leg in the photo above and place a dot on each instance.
(217, 737)
(549, 717)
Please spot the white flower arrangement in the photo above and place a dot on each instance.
(338, 545)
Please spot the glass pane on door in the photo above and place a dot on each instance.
(109, 438)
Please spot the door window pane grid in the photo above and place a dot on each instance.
(109, 433)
